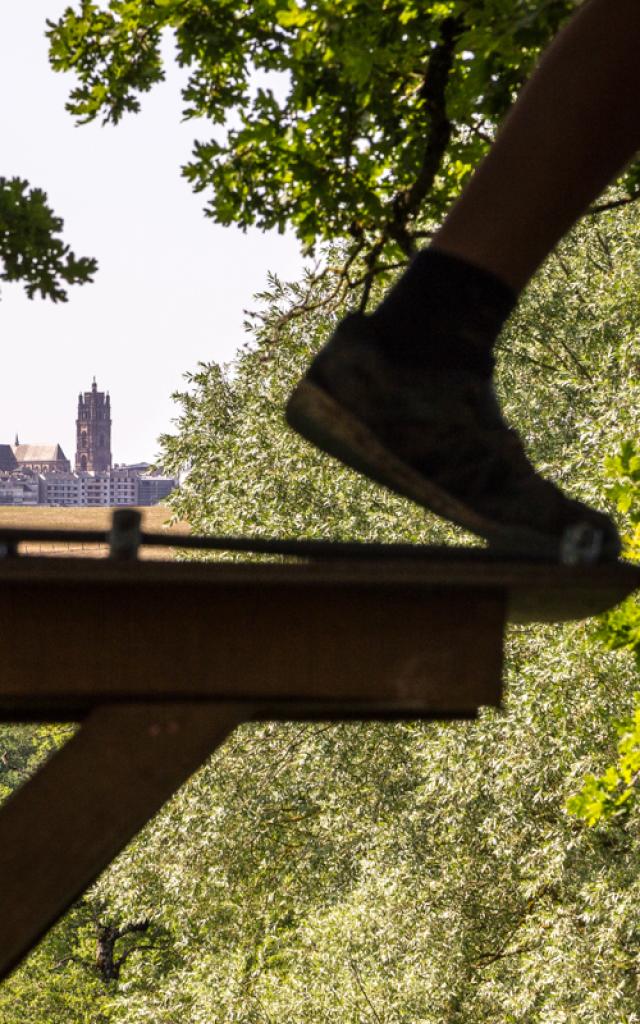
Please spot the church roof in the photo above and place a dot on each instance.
(39, 453)
(7, 458)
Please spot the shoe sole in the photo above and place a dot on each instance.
(317, 417)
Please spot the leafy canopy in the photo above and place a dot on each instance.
(31, 249)
(614, 793)
(355, 120)
(324, 873)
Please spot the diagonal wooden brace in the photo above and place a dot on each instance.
(67, 823)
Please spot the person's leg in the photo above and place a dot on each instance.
(404, 395)
(573, 128)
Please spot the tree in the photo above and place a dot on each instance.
(389, 872)
(348, 120)
(614, 793)
(31, 249)
(416, 872)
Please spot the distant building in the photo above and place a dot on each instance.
(32, 474)
(21, 487)
(154, 485)
(41, 458)
(8, 461)
(62, 489)
(114, 487)
(93, 431)
(135, 467)
(153, 488)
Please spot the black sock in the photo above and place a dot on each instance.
(443, 311)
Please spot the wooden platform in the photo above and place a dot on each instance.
(161, 661)
(307, 639)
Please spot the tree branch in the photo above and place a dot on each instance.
(405, 205)
(433, 93)
(613, 205)
(354, 970)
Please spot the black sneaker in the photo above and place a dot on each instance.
(437, 436)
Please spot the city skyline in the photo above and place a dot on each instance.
(41, 473)
(71, 450)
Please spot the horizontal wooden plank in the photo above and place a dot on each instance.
(537, 591)
(66, 824)
(337, 648)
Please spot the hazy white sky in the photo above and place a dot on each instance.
(171, 286)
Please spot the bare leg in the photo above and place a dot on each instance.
(572, 130)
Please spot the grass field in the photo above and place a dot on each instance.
(154, 520)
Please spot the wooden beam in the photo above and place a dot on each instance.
(66, 824)
(537, 591)
(331, 650)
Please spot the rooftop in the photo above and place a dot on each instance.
(7, 458)
(39, 453)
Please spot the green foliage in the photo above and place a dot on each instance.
(398, 872)
(614, 793)
(624, 469)
(30, 247)
(352, 120)
(23, 749)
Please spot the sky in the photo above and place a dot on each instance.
(171, 286)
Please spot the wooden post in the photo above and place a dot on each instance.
(68, 822)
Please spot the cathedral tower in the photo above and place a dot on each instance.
(93, 431)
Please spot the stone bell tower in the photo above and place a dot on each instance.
(93, 431)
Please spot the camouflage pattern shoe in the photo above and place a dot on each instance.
(438, 437)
